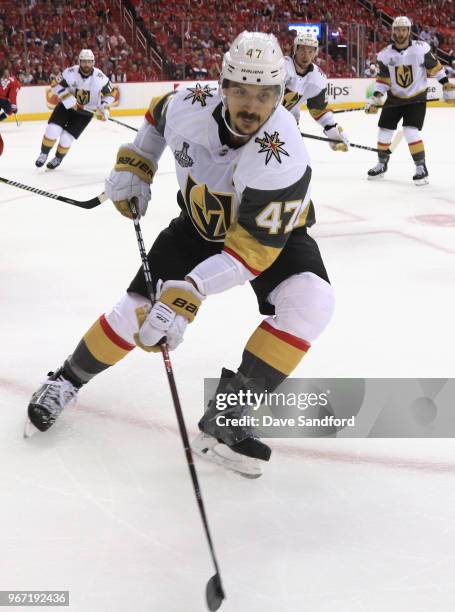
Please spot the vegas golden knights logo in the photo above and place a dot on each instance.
(210, 211)
(290, 99)
(82, 96)
(403, 75)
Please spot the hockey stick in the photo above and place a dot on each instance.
(302, 133)
(87, 204)
(351, 110)
(214, 589)
(130, 127)
(356, 146)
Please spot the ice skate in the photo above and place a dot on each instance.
(54, 163)
(48, 402)
(209, 449)
(240, 439)
(41, 160)
(421, 175)
(378, 171)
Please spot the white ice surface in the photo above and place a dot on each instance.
(102, 504)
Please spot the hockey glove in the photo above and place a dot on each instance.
(13, 108)
(448, 92)
(102, 112)
(373, 104)
(335, 132)
(177, 306)
(130, 178)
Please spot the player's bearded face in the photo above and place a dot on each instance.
(250, 106)
(401, 35)
(86, 66)
(304, 55)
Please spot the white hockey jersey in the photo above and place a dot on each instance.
(72, 87)
(310, 87)
(403, 72)
(251, 197)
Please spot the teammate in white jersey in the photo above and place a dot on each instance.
(403, 69)
(244, 178)
(305, 82)
(83, 91)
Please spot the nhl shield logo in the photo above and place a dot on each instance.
(182, 157)
(404, 76)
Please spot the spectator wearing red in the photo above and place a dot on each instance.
(9, 86)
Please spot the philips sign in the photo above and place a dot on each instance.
(306, 27)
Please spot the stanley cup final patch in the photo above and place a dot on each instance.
(182, 157)
(199, 94)
(272, 146)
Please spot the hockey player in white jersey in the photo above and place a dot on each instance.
(244, 178)
(84, 91)
(403, 69)
(305, 82)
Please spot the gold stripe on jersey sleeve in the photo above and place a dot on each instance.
(384, 80)
(303, 217)
(65, 96)
(432, 71)
(317, 113)
(155, 101)
(252, 254)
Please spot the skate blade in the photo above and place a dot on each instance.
(420, 182)
(375, 178)
(29, 429)
(208, 449)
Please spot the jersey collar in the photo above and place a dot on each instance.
(85, 76)
(404, 48)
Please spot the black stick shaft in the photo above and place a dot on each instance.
(130, 127)
(362, 108)
(87, 204)
(356, 146)
(173, 388)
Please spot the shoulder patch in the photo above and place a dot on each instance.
(272, 146)
(199, 94)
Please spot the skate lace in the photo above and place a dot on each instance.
(57, 394)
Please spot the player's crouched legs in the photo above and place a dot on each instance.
(107, 341)
(304, 305)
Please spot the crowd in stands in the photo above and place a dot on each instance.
(191, 35)
(56, 30)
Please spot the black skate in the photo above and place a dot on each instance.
(378, 171)
(48, 402)
(217, 441)
(421, 175)
(41, 160)
(54, 163)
